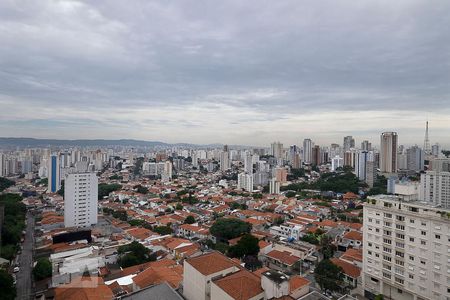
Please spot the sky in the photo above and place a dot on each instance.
(233, 72)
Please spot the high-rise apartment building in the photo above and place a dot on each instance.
(364, 167)
(224, 161)
(307, 151)
(316, 157)
(336, 162)
(366, 145)
(80, 199)
(415, 158)
(245, 182)
(54, 179)
(435, 188)
(436, 150)
(274, 186)
(405, 250)
(276, 149)
(2, 165)
(248, 163)
(349, 143)
(388, 152)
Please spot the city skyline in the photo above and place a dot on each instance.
(233, 73)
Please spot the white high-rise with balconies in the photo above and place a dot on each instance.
(80, 199)
(435, 188)
(406, 249)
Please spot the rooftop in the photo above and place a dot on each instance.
(241, 285)
(211, 263)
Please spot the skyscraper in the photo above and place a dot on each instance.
(277, 149)
(415, 159)
(80, 199)
(54, 179)
(2, 164)
(248, 163)
(435, 188)
(349, 143)
(364, 167)
(388, 152)
(316, 157)
(307, 151)
(366, 145)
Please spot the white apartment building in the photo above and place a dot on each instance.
(336, 162)
(80, 199)
(245, 182)
(435, 188)
(406, 249)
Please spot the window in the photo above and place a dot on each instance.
(399, 280)
(411, 276)
(386, 215)
(400, 218)
(399, 291)
(411, 257)
(437, 236)
(422, 262)
(423, 232)
(423, 243)
(411, 239)
(411, 221)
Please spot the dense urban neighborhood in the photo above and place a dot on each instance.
(241, 223)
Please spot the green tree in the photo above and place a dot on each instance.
(13, 223)
(105, 189)
(141, 189)
(328, 275)
(43, 269)
(247, 245)
(5, 183)
(179, 206)
(221, 247)
(189, 220)
(163, 230)
(290, 194)
(226, 229)
(133, 254)
(116, 177)
(327, 248)
(379, 297)
(7, 288)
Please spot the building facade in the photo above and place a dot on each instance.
(405, 249)
(80, 199)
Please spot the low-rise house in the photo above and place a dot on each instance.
(191, 231)
(352, 273)
(283, 261)
(351, 239)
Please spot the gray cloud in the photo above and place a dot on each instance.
(197, 70)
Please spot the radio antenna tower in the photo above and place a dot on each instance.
(426, 143)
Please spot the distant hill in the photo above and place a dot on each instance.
(32, 142)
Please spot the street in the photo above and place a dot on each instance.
(24, 279)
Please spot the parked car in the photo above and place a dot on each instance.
(16, 269)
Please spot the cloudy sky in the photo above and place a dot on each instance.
(237, 72)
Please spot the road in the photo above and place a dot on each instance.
(24, 279)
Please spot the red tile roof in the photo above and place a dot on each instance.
(211, 263)
(296, 282)
(242, 285)
(348, 268)
(284, 257)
